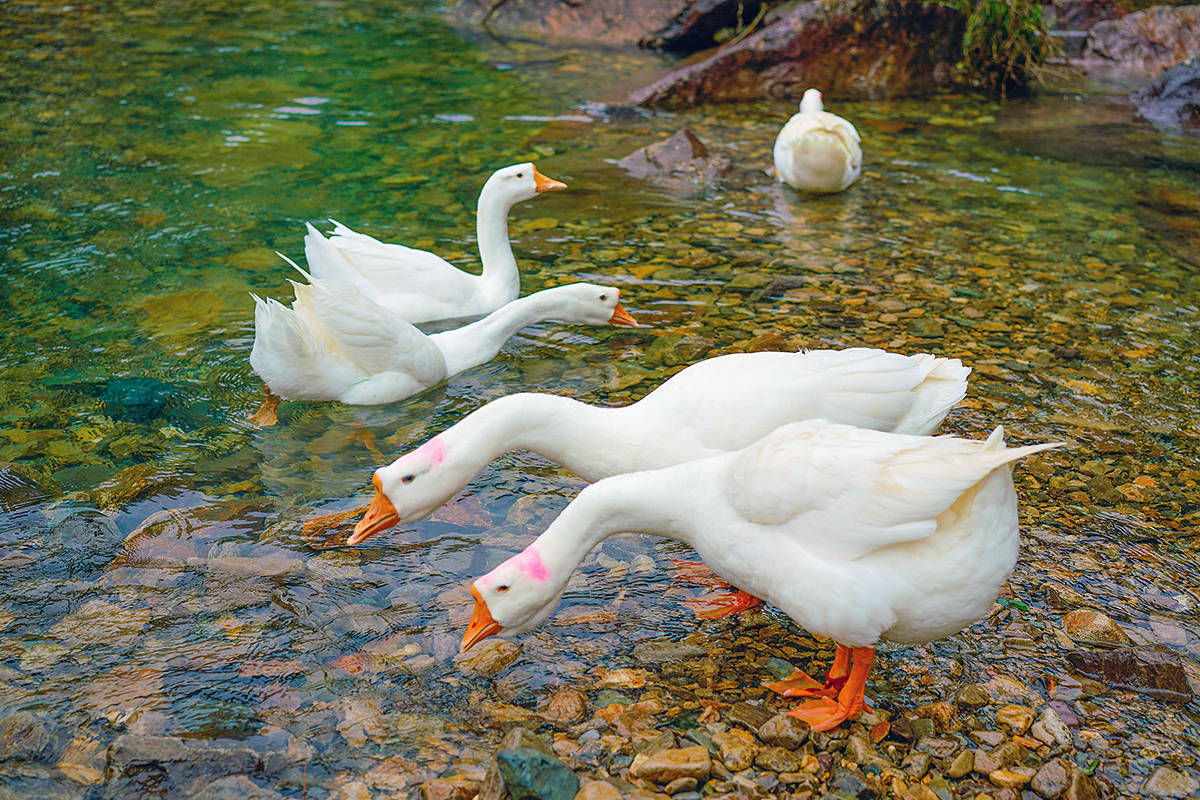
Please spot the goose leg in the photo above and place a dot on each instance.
(266, 414)
(800, 684)
(825, 714)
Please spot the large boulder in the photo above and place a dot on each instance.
(1171, 102)
(1149, 40)
(675, 25)
(869, 49)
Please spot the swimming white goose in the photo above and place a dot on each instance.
(714, 406)
(419, 286)
(335, 344)
(817, 151)
(857, 535)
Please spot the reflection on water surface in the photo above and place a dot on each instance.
(154, 577)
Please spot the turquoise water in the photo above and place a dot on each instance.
(154, 160)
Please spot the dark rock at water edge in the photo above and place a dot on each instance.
(1155, 671)
(137, 399)
(679, 162)
(1171, 102)
(695, 26)
(174, 767)
(532, 775)
(870, 49)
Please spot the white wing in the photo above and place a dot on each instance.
(368, 335)
(846, 492)
(393, 267)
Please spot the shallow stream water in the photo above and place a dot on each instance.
(154, 573)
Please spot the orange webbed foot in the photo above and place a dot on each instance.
(267, 413)
(716, 606)
(801, 684)
(822, 714)
(850, 667)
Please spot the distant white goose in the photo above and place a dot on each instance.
(335, 344)
(419, 286)
(714, 406)
(857, 535)
(817, 151)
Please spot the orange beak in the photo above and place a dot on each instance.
(380, 516)
(621, 317)
(482, 625)
(544, 184)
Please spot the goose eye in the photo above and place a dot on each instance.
(408, 479)
(501, 588)
(520, 174)
(603, 297)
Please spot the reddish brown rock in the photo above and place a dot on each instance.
(886, 47)
(1155, 671)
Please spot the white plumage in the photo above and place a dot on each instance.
(714, 406)
(855, 534)
(817, 151)
(419, 286)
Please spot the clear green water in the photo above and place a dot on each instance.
(154, 158)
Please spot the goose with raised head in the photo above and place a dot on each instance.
(419, 286)
(817, 151)
(857, 535)
(336, 344)
(720, 404)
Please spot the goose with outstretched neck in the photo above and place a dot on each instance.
(336, 344)
(419, 286)
(857, 535)
(713, 406)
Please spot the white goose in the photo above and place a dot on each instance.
(419, 286)
(335, 344)
(714, 406)
(857, 535)
(817, 151)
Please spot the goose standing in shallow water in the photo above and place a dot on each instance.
(857, 535)
(335, 344)
(419, 286)
(817, 151)
(714, 406)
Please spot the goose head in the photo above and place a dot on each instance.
(519, 182)
(811, 102)
(586, 303)
(514, 598)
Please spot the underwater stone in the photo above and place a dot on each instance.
(532, 775)
(137, 399)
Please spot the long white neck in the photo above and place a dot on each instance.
(636, 502)
(574, 434)
(500, 276)
(479, 342)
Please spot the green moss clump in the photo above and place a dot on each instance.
(1006, 43)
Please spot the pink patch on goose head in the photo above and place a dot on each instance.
(434, 450)
(529, 562)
